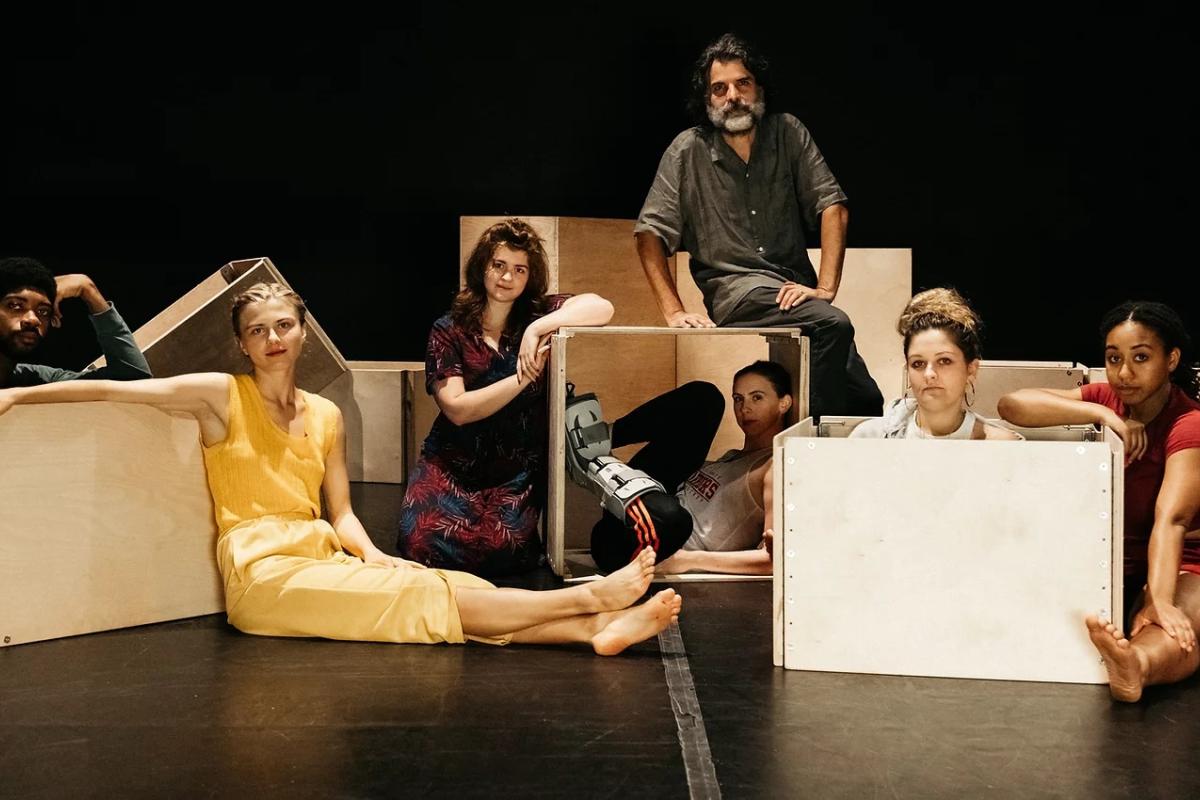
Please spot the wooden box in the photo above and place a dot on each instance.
(625, 366)
(107, 524)
(371, 395)
(194, 334)
(963, 559)
(599, 255)
(420, 411)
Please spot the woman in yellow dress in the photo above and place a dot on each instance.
(270, 449)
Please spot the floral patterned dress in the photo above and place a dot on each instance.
(475, 496)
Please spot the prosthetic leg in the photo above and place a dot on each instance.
(629, 495)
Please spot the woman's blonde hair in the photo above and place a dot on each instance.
(942, 310)
(261, 292)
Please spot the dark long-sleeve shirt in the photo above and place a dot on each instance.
(125, 361)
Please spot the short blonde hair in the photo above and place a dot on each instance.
(261, 292)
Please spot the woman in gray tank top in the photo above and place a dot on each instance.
(711, 516)
(729, 499)
(941, 355)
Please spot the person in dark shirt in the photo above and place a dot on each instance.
(30, 299)
(736, 193)
(475, 496)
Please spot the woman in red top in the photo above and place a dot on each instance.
(1150, 401)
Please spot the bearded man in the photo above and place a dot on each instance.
(737, 192)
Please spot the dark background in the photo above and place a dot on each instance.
(1040, 160)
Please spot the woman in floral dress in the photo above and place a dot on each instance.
(475, 496)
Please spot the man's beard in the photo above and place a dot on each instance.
(735, 116)
(12, 347)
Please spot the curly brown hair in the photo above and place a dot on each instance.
(944, 310)
(469, 304)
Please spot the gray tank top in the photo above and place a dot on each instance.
(726, 516)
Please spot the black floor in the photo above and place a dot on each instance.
(195, 709)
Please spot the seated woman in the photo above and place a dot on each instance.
(1150, 401)
(713, 514)
(270, 450)
(475, 496)
(941, 351)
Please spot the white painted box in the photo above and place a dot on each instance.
(962, 559)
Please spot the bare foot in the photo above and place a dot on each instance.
(1126, 670)
(638, 624)
(622, 588)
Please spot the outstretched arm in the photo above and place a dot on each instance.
(199, 394)
(1037, 408)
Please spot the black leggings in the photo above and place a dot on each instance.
(678, 428)
(840, 381)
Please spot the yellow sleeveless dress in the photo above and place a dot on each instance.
(284, 568)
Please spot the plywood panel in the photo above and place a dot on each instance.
(194, 333)
(792, 351)
(876, 285)
(107, 524)
(599, 255)
(969, 559)
(371, 397)
(161, 324)
(420, 411)
(998, 378)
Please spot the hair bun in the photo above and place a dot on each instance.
(945, 305)
(942, 309)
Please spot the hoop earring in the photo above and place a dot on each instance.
(970, 397)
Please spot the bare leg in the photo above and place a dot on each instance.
(495, 612)
(1152, 657)
(608, 632)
